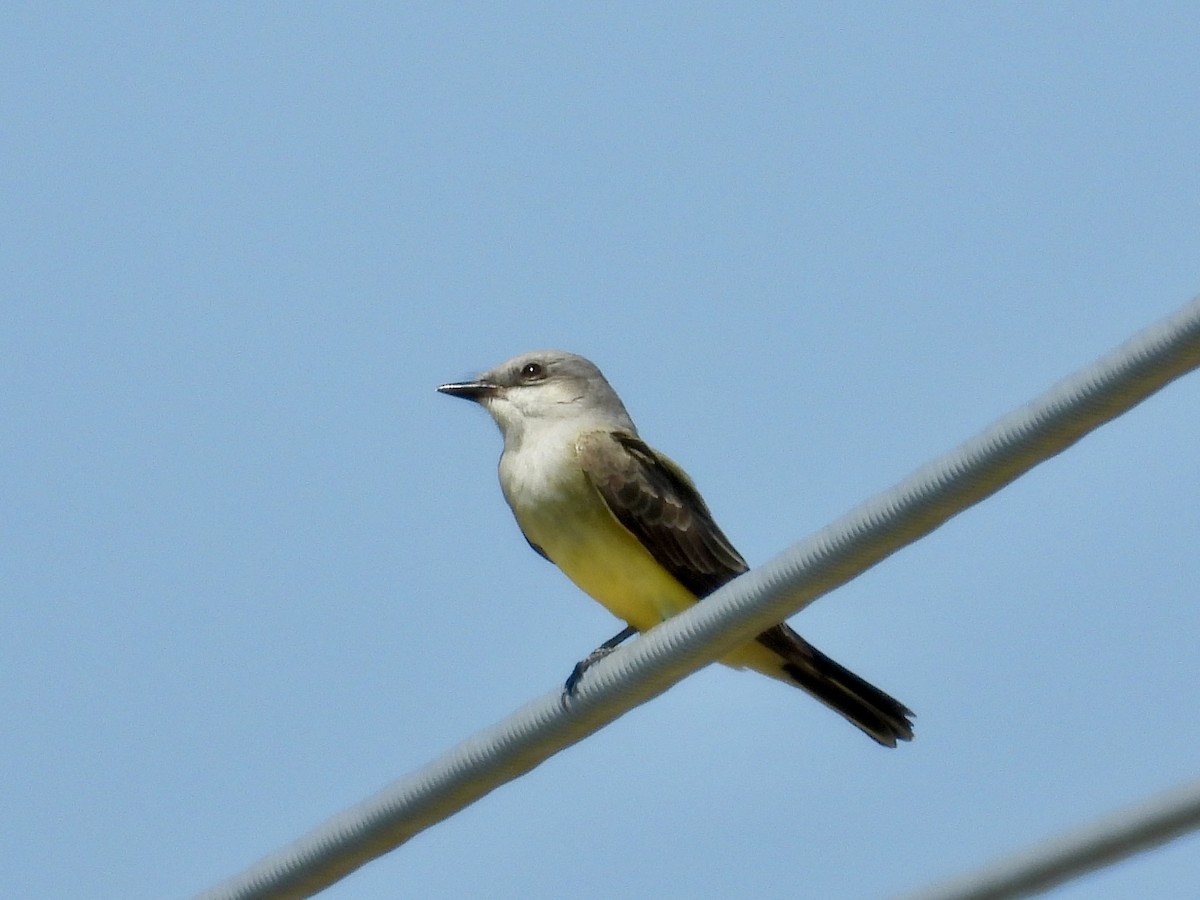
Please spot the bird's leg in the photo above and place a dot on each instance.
(599, 653)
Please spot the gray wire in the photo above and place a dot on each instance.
(732, 615)
(1102, 843)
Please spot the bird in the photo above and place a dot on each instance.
(628, 527)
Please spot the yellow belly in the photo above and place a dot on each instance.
(573, 526)
(608, 563)
(623, 577)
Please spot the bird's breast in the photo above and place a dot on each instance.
(561, 512)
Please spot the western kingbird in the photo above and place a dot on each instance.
(627, 525)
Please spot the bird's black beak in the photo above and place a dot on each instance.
(469, 390)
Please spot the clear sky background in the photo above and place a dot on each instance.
(254, 567)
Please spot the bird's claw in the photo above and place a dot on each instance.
(572, 682)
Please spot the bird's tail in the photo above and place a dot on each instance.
(881, 716)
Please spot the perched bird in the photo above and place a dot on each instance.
(627, 525)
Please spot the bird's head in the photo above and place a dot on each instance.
(544, 385)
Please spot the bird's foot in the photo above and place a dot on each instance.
(582, 666)
(595, 656)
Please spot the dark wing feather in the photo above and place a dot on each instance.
(655, 500)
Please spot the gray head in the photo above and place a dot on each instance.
(546, 385)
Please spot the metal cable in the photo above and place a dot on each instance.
(732, 615)
(1102, 843)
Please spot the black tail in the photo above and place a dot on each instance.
(881, 716)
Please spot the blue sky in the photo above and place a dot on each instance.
(255, 568)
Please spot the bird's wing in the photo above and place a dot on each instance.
(656, 501)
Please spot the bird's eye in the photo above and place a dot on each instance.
(533, 371)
